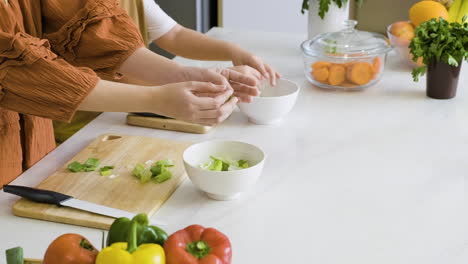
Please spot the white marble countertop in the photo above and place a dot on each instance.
(377, 176)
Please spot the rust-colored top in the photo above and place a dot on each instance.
(51, 54)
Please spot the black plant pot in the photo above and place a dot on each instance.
(442, 80)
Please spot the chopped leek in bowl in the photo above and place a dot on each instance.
(222, 164)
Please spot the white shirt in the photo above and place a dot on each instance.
(157, 21)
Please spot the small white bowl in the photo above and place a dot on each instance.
(273, 103)
(223, 185)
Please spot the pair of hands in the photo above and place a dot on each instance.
(208, 96)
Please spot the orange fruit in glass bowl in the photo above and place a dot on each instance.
(400, 35)
(426, 10)
(403, 30)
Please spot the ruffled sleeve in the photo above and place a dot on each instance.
(33, 80)
(100, 36)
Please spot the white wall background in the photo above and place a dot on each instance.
(264, 15)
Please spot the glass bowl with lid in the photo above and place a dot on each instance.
(348, 59)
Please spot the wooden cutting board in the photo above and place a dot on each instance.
(167, 124)
(123, 192)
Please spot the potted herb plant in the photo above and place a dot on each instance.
(326, 15)
(443, 47)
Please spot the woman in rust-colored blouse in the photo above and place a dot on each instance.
(59, 56)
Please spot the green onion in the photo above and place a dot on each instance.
(75, 166)
(106, 170)
(158, 172)
(220, 164)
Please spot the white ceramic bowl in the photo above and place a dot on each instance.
(223, 185)
(273, 103)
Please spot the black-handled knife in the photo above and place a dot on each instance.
(37, 195)
(51, 197)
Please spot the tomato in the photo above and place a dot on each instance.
(70, 249)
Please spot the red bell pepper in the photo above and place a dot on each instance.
(198, 245)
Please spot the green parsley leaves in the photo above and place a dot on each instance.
(439, 40)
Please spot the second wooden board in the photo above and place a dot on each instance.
(167, 124)
(123, 192)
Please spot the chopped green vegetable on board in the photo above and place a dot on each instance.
(142, 173)
(88, 169)
(163, 176)
(165, 163)
(145, 176)
(138, 170)
(220, 164)
(75, 166)
(14, 255)
(158, 172)
(106, 170)
(90, 164)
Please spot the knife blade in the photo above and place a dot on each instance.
(60, 199)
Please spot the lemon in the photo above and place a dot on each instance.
(426, 10)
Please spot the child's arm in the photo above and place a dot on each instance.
(166, 33)
(191, 44)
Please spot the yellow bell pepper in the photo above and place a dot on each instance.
(145, 254)
(129, 253)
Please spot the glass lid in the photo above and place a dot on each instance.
(347, 43)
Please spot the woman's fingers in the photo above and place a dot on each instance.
(206, 87)
(216, 116)
(214, 77)
(225, 109)
(212, 95)
(210, 103)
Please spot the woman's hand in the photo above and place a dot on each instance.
(198, 74)
(242, 57)
(197, 102)
(244, 83)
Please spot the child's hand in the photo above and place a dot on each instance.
(243, 79)
(247, 70)
(245, 58)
